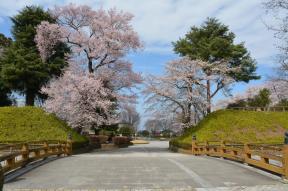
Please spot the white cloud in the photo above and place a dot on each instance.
(159, 22)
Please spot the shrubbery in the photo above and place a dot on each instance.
(121, 141)
(144, 133)
(99, 138)
(126, 131)
(262, 99)
(182, 145)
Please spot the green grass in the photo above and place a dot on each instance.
(34, 124)
(239, 126)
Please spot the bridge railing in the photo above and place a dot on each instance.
(16, 155)
(270, 157)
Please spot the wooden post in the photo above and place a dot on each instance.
(222, 149)
(285, 156)
(246, 153)
(285, 161)
(206, 148)
(59, 148)
(68, 147)
(194, 145)
(25, 154)
(11, 163)
(37, 154)
(1, 177)
(46, 149)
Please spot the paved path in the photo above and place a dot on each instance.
(145, 167)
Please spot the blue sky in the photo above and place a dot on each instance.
(159, 22)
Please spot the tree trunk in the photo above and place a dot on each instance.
(90, 65)
(29, 98)
(208, 97)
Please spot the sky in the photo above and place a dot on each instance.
(160, 22)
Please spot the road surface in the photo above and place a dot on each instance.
(144, 167)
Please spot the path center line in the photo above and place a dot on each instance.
(192, 174)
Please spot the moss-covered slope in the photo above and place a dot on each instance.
(32, 124)
(240, 126)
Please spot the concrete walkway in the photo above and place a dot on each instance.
(144, 167)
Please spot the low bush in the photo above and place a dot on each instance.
(103, 139)
(126, 131)
(94, 141)
(121, 141)
(97, 140)
(181, 145)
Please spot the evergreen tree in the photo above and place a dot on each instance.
(22, 68)
(262, 99)
(4, 91)
(214, 42)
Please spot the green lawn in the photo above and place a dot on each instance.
(33, 124)
(239, 126)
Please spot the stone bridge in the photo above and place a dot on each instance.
(144, 167)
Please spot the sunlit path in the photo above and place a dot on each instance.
(149, 166)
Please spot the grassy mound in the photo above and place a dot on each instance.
(239, 126)
(34, 124)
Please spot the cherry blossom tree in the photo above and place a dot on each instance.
(183, 89)
(90, 91)
(278, 89)
(278, 92)
(163, 122)
(79, 98)
(279, 11)
(99, 38)
(129, 114)
(102, 37)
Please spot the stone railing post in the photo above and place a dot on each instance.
(285, 156)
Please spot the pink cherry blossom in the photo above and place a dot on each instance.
(99, 40)
(102, 37)
(79, 98)
(183, 89)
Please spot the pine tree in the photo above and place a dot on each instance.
(212, 42)
(22, 68)
(4, 91)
